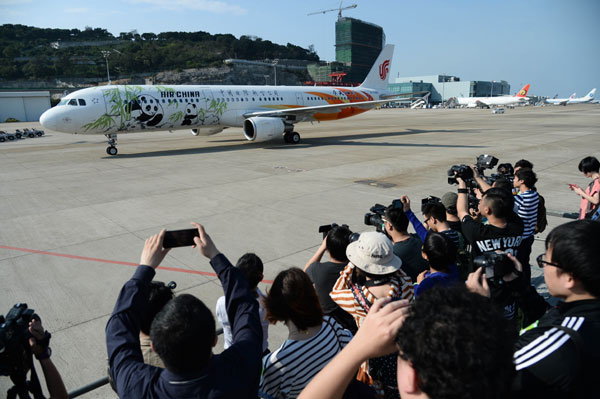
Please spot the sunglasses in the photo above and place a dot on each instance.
(541, 262)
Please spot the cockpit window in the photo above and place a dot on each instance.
(81, 102)
(64, 101)
(72, 102)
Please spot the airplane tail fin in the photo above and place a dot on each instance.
(380, 71)
(523, 91)
(573, 95)
(591, 93)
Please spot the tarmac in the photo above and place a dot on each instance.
(74, 219)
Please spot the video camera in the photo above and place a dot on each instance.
(14, 339)
(325, 229)
(375, 218)
(465, 172)
(505, 171)
(495, 265)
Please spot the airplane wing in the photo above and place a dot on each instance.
(401, 95)
(307, 112)
(481, 104)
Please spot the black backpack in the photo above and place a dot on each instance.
(542, 222)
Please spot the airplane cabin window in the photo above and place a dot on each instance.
(72, 102)
(81, 102)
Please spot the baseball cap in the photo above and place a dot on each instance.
(373, 253)
(449, 200)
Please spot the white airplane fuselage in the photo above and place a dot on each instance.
(572, 100)
(127, 109)
(472, 102)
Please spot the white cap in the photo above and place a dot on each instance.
(373, 253)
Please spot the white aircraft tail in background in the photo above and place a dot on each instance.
(264, 112)
(573, 100)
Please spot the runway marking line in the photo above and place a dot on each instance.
(114, 262)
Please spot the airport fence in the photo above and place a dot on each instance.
(101, 382)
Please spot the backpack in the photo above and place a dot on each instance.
(542, 222)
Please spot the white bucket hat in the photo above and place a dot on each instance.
(373, 253)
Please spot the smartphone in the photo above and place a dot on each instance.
(180, 238)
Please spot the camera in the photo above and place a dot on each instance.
(483, 162)
(325, 229)
(14, 336)
(428, 200)
(495, 265)
(377, 211)
(505, 171)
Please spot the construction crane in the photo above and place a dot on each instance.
(339, 10)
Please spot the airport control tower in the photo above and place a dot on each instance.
(357, 45)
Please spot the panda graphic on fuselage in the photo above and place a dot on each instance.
(190, 114)
(146, 110)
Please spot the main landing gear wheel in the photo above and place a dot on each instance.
(112, 144)
(291, 137)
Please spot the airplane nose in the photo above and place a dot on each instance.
(48, 119)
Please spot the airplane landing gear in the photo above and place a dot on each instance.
(112, 144)
(291, 137)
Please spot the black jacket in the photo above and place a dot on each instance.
(561, 362)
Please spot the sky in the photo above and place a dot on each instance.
(551, 44)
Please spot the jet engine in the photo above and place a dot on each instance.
(265, 129)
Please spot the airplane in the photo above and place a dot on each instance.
(572, 100)
(485, 102)
(264, 112)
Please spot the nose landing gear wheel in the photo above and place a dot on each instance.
(111, 150)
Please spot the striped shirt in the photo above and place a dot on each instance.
(526, 206)
(290, 368)
(401, 286)
(546, 344)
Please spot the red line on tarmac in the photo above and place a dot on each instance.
(115, 262)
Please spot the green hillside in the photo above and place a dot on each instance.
(43, 54)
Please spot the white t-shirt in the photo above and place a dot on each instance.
(223, 319)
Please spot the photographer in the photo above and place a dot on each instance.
(406, 246)
(435, 220)
(449, 201)
(183, 334)
(502, 233)
(526, 207)
(558, 356)
(325, 274)
(42, 352)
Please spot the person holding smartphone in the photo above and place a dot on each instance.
(590, 197)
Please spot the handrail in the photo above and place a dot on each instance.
(102, 381)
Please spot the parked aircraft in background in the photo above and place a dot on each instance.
(264, 112)
(486, 102)
(572, 100)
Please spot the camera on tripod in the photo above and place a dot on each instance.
(377, 212)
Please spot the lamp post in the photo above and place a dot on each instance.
(106, 53)
(275, 62)
(444, 88)
(266, 79)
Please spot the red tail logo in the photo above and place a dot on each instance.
(524, 90)
(384, 69)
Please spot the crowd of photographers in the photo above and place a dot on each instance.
(446, 312)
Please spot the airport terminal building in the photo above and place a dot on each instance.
(443, 87)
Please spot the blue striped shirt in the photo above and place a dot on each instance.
(526, 206)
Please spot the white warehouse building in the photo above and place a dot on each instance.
(24, 106)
